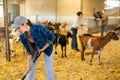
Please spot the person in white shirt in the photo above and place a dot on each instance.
(78, 23)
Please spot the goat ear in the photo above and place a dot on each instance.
(71, 32)
(117, 28)
(113, 33)
(109, 32)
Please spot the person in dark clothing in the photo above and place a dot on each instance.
(104, 19)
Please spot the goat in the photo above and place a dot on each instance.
(117, 30)
(54, 27)
(62, 40)
(48, 25)
(96, 44)
(14, 39)
(62, 27)
(57, 29)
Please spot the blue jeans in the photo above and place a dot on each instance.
(48, 67)
(74, 44)
(103, 29)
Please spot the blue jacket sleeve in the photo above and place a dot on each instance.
(24, 41)
(48, 34)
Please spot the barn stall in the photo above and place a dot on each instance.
(59, 11)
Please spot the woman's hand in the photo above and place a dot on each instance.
(40, 50)
(30, 63)
(46, 45)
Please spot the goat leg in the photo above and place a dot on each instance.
(65, 52)
(93, 52)
(82, 54)
(99, 52)
(62, 51)
(91, 58)
(55, 49)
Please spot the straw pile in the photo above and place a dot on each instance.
(70, 68)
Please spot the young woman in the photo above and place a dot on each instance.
(36, 38)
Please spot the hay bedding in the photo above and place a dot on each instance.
(70, 68)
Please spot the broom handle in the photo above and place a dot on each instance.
(34, 60)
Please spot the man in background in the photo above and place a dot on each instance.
(76, 25)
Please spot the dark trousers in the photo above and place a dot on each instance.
(104, 29)
(74, 44)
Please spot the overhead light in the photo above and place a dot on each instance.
(112, 4)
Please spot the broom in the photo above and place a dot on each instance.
(34, 60)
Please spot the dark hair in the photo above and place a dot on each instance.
(29, 23)
(79, 13)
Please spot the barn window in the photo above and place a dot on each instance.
(110, 4)
(1, 11)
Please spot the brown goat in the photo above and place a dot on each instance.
(96, 44)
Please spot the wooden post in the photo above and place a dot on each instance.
(119, 10)
(56, 12)
(81, 5)
(5, 6)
